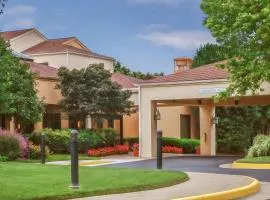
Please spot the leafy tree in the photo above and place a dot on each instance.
(244, 27)
(90, 91)
(2, 6)
(118, 67)
(209, 53)
(17, 88)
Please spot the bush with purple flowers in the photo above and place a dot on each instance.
(12, 145)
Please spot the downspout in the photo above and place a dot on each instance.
(67, 60)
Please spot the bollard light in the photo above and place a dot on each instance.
(74, 160)
(42, 148)
(159, 149)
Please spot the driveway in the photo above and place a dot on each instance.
(199, 164)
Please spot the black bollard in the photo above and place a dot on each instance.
(42, 148)
(74, 160)
(159, 149)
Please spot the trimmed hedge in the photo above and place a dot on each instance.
(58, 141)
(188, 145)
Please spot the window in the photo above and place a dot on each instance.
(52, 120)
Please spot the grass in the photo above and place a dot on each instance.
(34, 181)
(255, 160)
(61, 157)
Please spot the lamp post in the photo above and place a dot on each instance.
(159, 149)
(74, 160)
(42, 148)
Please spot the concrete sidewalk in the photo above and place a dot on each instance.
(199, 183)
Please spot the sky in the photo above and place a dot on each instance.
(144, 35)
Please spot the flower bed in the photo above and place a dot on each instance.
(170, 149)
(165, 149)
(107, 151)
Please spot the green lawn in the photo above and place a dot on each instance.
(257, 160)
(61, 157)
(34, 181)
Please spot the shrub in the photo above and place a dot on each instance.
(110, 136)
(260, 147)
(90, 139)
(12, 145)
(3, 158)
(131, 141)
(106, 151)
(57, 140)
(35, 151)
(188, 145)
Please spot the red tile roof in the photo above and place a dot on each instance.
(125, 81)
(43, 71)
(206, 72)
(8, 35)
(57, 45)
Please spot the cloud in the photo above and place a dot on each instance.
(18, 17)
(162, 2)
(180, 39)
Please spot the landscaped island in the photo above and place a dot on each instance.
(35, 181)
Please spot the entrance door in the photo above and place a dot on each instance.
(185, 126)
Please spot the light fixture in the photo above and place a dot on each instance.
(215, 120)
(157, 115)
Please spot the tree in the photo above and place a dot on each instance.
(2, 6)
(244, 27)
(90, 91)
(209, 53)
(17, 88)
(118, 67)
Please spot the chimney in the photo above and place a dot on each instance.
(182, 64)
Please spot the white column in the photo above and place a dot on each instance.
(88, 122)
(207, 130)
(148, 129)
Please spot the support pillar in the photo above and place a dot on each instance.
(88, 122)
(147, 129)
(121, 130)
(38, 126)
(207, 130)
(12, 126)
(64, 121)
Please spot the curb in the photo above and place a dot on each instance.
(237, 165)
(236, 193)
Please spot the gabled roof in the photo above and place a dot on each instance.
(205, 72)
(125, 81)
(42, 71)
(60, 46)
(8, 35)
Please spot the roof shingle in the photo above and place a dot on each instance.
(8, 35)
(206, 72)
(125, 81)
(57, 45)
(43, 71)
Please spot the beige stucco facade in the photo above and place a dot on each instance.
(26, 40)
(170, 122)
(71, 60)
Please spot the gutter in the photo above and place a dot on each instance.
(183, 83)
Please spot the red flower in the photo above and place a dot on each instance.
(106, 151)
(170, 149)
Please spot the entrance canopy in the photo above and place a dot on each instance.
(195, 87)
